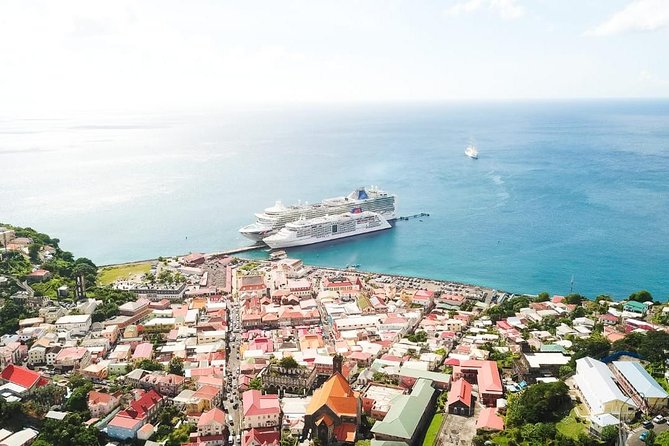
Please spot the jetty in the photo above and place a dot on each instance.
(409, 217)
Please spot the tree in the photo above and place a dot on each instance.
(288, 362)
(539, 403)
(609, 435)
(542, 297)
(596, 346)
(662, 439)
(150, 365)
(641, 296)
(33, 252)
(255, 383)
(71, 432)
(574, 299)
(176, 366)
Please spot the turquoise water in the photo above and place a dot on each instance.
(560, 189)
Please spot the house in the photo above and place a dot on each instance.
(23, 437)
(488, 420)
(22, 380)
(39, 275)
(334, 411)
(486, 375)
(140, 411)
(73, 358)
(544, 363)
(635, 307)
(376, 400)
(261, 437)
(211, 423)
(100, 404)
(74, 322)
(408, 416)
(599, 422)
(647, 393)
(260, 410)
(460, 399)
(599, 391)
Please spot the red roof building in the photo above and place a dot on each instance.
(486, 375)
(460, 400)
(261, 437)
(22, 377)
(260, 410)
(489, 420)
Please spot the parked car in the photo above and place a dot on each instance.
(643, 436)
(648, 424)
(658, 419)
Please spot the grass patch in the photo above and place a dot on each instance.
(433, 429)
(110, 274)
(363, 302)
(570, 426)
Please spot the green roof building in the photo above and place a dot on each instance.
(408, 417)
(635, 307)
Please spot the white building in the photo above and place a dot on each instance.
(599, 390)
(78, 322)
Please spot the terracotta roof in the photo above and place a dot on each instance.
(255, 403)
(489, 420)
(461, 391)
(215, 415)
(345, 432)
(124, 422)
(261, 437)
(99, 397)
(21, 376)
(336, 393)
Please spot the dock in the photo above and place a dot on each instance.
(409, 217)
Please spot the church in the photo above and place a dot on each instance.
(333, 413)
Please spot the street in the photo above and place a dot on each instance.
(633, 439)
(232, 403)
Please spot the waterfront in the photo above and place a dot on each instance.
(561, 189)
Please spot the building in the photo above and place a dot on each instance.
(39, 275)
(260, 410)
(76, 322)
(544, 363)
(409, 376)
(212, 423)
(647, 393)
(100, 404)
(20, 381)
(460, 399)
(261, 437)
(486, 375)
(377, 398)
(296, 381)
(409, 416)
(140, 411)
(334, 411)
(635, 307)
(599, 391)
(73, 358)
(488, 420)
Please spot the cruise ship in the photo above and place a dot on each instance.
(330, 227)
(360, 200)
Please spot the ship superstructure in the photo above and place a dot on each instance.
(330, 227)
(360, 200)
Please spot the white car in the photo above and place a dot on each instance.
(658, 419)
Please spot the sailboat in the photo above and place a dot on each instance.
(471, 152)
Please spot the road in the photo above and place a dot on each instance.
(633, 438)
(232, 402)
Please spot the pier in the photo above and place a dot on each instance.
(409, 217)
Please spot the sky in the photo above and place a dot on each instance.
(89, 54)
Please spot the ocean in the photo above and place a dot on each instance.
(566, 195)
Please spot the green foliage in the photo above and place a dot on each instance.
(288, 362)
(641, 296)
(33, 252)
(662, 439)
(150, 365)
(383, 378)
(255, 383)
(78, 400)
(507, 308)
(176, 366)
(8, 410)
(111, 300)
(596, 346)
(71, 432)
(539, 403)
(565, 370)
(180, 434)
(542, 297)
(15, 264)
(46, 396)
(419, 336)
(651, 345)
(609, 435)
(574, 299)
(10, 313)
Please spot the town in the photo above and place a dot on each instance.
(212, 350)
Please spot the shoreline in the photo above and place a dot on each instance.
(324, 268)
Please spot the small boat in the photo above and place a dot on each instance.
(471, 152)
(278, 255)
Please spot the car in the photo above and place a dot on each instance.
(643, 436)
(647, 424)
(658, 419)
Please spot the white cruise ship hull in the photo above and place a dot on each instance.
(273, 219)
(323, 229)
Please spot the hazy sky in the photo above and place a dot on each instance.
(150, 54)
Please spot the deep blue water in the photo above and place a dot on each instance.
(561, 189)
